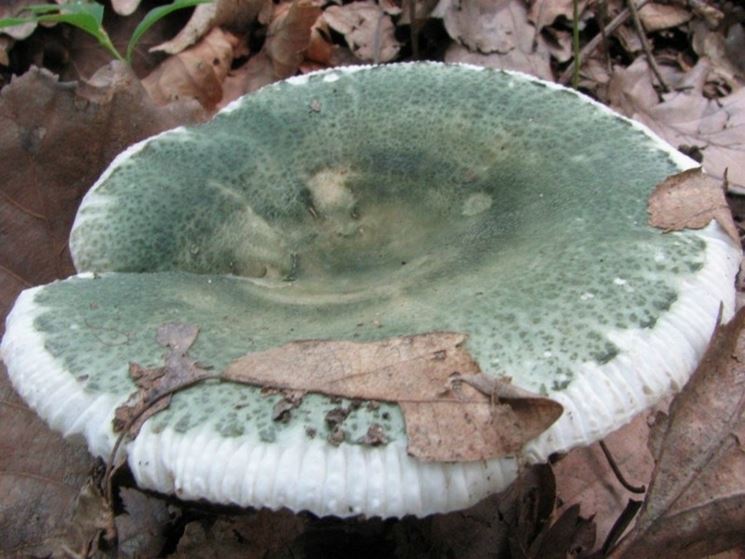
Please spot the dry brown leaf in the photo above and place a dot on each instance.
(431, 376)
(656, 16)
(544, 12)
(40, 476)
(495, 34)
(686, 117)
(288, 36)
(125, 7)
(690, 200)
(695, 504)
(197, 73)
(584, 476)
(60, 138)
(13, 8)
(231, 14)
(156, 386)
(141, 529)
(251, 536)
(713, 45)
(368, 30)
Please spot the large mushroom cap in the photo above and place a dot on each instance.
(362, 204)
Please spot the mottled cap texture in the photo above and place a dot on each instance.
(362, 204)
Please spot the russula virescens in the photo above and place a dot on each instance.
(365, 204)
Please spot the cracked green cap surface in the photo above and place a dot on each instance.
(362, 204)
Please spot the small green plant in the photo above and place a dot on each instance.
(88, 16)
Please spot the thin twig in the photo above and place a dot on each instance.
(646, 46)
(589, 48)
(620, 525)
(575, 44)
(603, 15)
(110, 466)
(377, 39)
(413, 29)
(617, 471)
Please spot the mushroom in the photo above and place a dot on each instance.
(364, 204)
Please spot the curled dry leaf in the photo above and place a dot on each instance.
(231, 14)
(431, 376)
(656, 16)
(695, 504)
(496, 35)
(726, 63)
(288, 37)
(686, 117)
(198, 72)
(690, 200)
(367, 28)
(544, 12)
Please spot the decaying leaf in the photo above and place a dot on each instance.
(695, 504)
(367, 28)
(288, 36)
(231, 14)
(690, 200)
(544, 12)
(141, 529)
(686, 117)
(157, 385)
(197, 72)
(656, 16)
(496, 35)
(90, 522)
(426, 375)
(40, 476)
(254, 535)
(585, 478)
(712, 44)
(60, 137)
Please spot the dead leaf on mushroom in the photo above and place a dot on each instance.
(157, 385)
(690, 200)
(431, 376)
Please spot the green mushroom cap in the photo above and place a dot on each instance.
(362, 204)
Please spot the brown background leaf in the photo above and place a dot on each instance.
(696, 501)
(40, 475)
(60, 138)
(414, 371)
